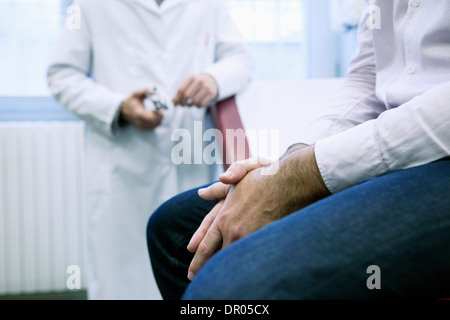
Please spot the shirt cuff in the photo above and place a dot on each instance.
(229, 80)
(116, 123)
(213, 72)
(349, 157)
(110, 124)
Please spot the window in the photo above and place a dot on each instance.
(29, 30)
(289, 40)
(276, 33)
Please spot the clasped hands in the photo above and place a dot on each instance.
(250, 200)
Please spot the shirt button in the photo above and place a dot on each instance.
(416, 3)
(411, 69)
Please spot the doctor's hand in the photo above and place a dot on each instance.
(197, 90)
(258, 200)
(133, 112)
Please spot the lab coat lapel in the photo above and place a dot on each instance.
(165, 5)
(169, 4)
(150, 5)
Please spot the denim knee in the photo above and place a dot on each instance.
(176, 216)
(157, 224)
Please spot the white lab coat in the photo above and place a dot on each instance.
(121, 46)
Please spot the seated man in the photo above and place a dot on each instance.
(367, 190)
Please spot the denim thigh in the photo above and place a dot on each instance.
(399, 222)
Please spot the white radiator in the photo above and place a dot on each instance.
(42, 205)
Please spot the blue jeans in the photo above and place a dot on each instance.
(399, 222)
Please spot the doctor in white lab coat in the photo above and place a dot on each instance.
(189, 49)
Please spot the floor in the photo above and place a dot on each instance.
(72, 295)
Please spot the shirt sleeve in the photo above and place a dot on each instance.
(70, 84)
(233, 67)
(360, 139)
(413, 134)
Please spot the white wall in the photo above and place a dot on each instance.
(286, 107)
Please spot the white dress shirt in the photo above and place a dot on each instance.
(393, 111)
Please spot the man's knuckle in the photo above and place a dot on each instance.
(233, 166)
(204, 249)
(222, 221)
(217, 188)
(235, 233)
